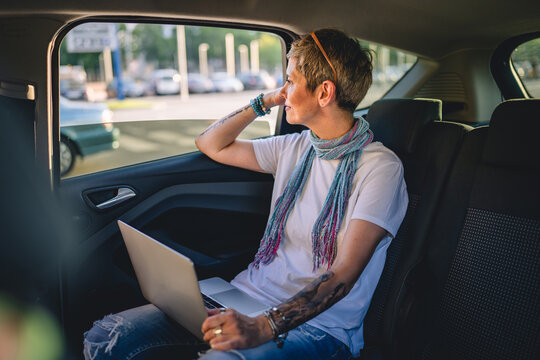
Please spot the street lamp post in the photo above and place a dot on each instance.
(203, 59)
(254, 45)
(229, 50)
(182, 61)
(244, 58)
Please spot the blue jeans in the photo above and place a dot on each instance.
(147, 333)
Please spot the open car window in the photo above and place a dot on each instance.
(526, 62)
(131, 93)
(389, 66)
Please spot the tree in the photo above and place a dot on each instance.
(157, 44)
(149, 40)
(527, 51)
(270, 51)
(90, 61)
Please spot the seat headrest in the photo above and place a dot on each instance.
(397, 122)
(514, 133)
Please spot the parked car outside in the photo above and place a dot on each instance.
(223, 82)
(73, 82)
(164, 82)
(261, 80)
(85, 128)
(199, 84)
(130, 88)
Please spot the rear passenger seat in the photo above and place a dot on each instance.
(412, 128)
(476, 292)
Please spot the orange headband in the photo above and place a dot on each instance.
(325, 56)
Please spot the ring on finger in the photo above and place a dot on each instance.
(218, 331)
(222, 310)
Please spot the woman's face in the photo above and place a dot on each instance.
(300, 104)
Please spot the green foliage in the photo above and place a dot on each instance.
(270, 50)
(527, 51)
(269, 45)
(150, 40)
(158, 45)
(90, 61)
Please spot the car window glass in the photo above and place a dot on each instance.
(526, 61)
(126, 98)
(389, 66)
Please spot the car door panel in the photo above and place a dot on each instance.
(216, 219)
(146, 180)
(212, 213)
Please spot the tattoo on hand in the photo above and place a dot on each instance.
(308, 303)
(223, 120)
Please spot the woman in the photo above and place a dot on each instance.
(338, 200)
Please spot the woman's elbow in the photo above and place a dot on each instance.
(200, 144)
(205, 148)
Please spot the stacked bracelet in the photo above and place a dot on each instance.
(272, 323)
(258, 106)
(278, 338)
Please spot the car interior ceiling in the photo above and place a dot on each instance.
(462, 276)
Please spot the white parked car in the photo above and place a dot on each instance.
(223, 82)
(165, 82)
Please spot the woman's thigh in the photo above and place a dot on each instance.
(304, 342)
(140, 333)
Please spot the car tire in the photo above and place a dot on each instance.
(68, 155)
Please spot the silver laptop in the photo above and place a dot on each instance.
(168, 280)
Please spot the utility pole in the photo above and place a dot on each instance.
(229, 50)
(254, 45)
(244, 58)
(203, 59)
(117, 65)
(182, 61)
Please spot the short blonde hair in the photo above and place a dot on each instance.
(353, 65)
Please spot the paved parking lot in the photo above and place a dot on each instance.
(149, 140)
(161, 126)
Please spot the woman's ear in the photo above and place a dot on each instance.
(327, 93)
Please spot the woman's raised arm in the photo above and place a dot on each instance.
(219, 141)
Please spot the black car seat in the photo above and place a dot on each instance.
(476, 294)
(33, 229)
(413, 129)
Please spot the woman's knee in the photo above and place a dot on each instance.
(138, 333)
(100, 340)
(119, 333)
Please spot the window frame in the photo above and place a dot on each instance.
(364, 109)
(285, 35)
(503, 71)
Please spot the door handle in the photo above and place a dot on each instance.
(123, 194)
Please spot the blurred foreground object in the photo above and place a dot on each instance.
(28, 333)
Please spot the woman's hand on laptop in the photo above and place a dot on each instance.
(228, 329)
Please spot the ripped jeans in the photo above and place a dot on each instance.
(147, 333)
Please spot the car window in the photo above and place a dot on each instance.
(389, 66)
(131, 93)
(526, 61)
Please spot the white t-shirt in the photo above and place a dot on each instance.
(379, 196)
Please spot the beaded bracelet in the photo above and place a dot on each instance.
(261, 104)
(258, 106)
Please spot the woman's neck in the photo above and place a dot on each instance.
(333, 125)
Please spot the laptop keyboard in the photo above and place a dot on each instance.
(209, 303)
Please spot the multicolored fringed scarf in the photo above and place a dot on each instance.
(324, 234)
